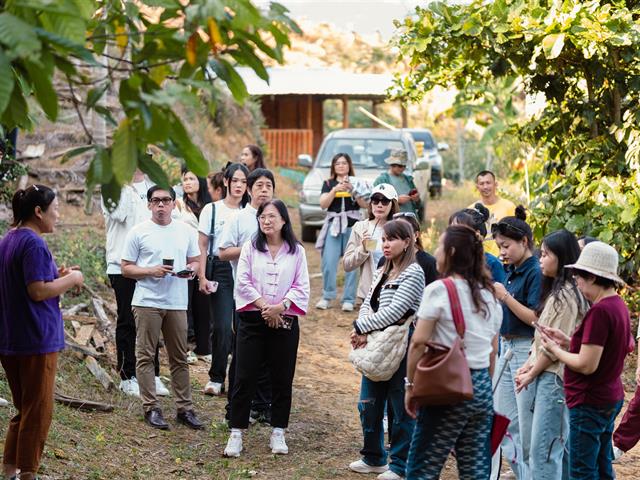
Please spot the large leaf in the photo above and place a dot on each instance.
(552, 45)
(74, 152)
(19, 36)
(69, 26)
(46, 95)
(125, 152)
(230, 76)
(68, 46)
(149, 166)
(111, 194)
(185, 148)
(95, 94)
(6, 81)
(101, 168)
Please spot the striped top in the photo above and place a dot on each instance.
(396, 298)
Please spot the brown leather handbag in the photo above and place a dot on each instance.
(442, 375)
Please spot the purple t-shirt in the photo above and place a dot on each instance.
(607, 324)
(27, 327)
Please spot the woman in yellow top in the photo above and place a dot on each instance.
(562, 306)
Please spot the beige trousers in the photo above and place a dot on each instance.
(173, 325)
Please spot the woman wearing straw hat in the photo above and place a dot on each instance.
(594, 357)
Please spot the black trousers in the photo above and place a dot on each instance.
(199, 318)
(126, 327)
(256, 343)
(222, 308)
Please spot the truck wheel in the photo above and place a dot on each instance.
(308, 234)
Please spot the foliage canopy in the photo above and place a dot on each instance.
(583, 57)
(156, 53)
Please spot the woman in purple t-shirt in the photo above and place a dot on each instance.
(31, 328)
(594, 357)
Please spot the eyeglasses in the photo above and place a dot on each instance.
(271, 218)
(383, 200)
(405, 214)
(503, 227)
(163, 200)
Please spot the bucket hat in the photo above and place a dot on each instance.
(386, 190)
(397, 157)
(599, 259)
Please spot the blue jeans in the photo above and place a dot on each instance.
(465, 427)
(517, 407)
(590, 449)
(550, 429)
(373, 397)
(333, 249)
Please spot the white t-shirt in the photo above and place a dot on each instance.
(480, 328)
(224, 214)
(147, 244)
(240, 228)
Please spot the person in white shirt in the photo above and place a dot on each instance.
(221, 296)
(162, 254)
(240, 229)
(131, 210)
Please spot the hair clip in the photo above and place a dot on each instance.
(35, 187)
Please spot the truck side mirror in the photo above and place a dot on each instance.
(305, 160)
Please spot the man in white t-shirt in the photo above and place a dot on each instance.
(238, 230)
(161, 255)
(131, 210)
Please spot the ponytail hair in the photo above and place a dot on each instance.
(24, 202)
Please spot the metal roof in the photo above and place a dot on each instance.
(329, 82)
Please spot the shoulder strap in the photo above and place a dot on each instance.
(212, 229)
(456, 309)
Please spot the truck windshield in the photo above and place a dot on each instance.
(364, 153)
(424, 137)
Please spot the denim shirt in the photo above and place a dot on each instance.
(524, 284)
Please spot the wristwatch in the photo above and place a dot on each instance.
(286, 303)
(407, 384)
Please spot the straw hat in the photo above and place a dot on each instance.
(599, 259)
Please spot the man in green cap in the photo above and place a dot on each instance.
(408, 196)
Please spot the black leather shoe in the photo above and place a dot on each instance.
(188, 418)
(154, 418)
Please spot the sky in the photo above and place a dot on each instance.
(362, 16)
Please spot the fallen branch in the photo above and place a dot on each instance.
(83, 405)
(104, 323)
(100, 373)
(83, 337)
(74, 310)
(70, 342)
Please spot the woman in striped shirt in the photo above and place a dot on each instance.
(393, 298)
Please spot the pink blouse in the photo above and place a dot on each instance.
(273, 279)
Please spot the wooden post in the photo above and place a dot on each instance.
(405, 119)
(309, 111)
(374, 111)
(345, 112)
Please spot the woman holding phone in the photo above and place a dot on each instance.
(343, 211)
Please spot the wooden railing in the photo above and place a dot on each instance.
(285, 145)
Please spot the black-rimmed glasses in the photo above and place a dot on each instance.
(163, 200)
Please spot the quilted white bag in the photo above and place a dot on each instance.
(380, 358)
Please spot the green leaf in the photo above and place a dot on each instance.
(104, 112)
(125, 152)
(101, 169)
(19, 36)
(552, 45)
(45, 94)
(111, 194)
(68, 26)
(6, 81)
(149, 166)
(74, 152)
(170, 4)
(185, 148)
(228, 74)
(17, 112)
(67, 46)
(629, 215)
(95, 94)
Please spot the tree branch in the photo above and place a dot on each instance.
(592, 102)
(617, 96)
(77, 108)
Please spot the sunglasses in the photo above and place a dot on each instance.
(405, 215)
(383, 200)
(504, 227)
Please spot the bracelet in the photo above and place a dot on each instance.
(407, 384)
(504, 297)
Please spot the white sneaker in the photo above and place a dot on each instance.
(277, 444)
(192, 358)
(3, 402)
(206, 358)
(347, 307)
(161, 390)
(213, 388)
(234, 445)
(323, 304)
(617, 453)
(130, 387)
(389, 475)
(361, 467)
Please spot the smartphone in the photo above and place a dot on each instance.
(413, 192)
(286, 321)
(213, 286)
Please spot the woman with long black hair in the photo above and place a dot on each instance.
(272, 291)
(219, 288)
(561, 306)
(252, 157)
